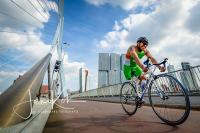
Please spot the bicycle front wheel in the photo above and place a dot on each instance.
(128, 98)
(169, 99)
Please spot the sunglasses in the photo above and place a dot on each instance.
(145, 44)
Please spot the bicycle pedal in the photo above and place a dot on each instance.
(140, 103)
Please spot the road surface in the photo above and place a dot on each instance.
(102, 117)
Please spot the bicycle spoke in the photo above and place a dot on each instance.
(174, 100)
(127, 96)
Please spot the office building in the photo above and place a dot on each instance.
(188, 77)
(110, 71)
(83, 80)
(123, 79)
(115, 61)
(104, 62)
(122, 61)
(185, 65)
(114, 77)
(170, 68)
(102, 78)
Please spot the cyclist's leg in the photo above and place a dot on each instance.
(139, 73)
(127, 72)
(130, 71)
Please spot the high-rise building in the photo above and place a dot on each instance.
(115, 69)
(110, 69)
(122, 61)
(188, 77)
(122, 77)
(104, 67)
(185, 65)
(104, 61)
(102, 78)
(171, 72)
(170, 68)
(115, 62)
(114, 77)
(83, 80)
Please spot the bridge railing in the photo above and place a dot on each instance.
(17, 101)
(190, 78)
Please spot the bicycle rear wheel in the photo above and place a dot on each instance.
(127, 98)
(169, 99)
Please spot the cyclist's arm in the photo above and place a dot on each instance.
(135, 56)
(153, 60)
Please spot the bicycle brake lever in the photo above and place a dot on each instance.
(164, 62)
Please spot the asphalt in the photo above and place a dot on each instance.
(103, 117)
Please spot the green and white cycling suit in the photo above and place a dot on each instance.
(131, 68)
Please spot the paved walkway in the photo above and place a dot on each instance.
(101, 117)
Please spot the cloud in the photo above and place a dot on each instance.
(124, 4)
(9, 74)
(72, 68)
(30, 44)
(114, 40)
(21, 33)
(7, 78)
(192, 22)
(169, 28)
(116, 26)
(33, 14)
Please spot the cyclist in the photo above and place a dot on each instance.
(133, 65)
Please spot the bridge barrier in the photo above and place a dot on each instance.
(190, 79)
(111, 94)
(36, 123)
(112, 90)
(17, 99)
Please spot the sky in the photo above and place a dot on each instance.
(93, 26)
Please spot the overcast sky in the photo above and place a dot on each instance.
(93, 26)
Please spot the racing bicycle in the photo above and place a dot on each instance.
(167, 96)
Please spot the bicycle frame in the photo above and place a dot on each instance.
(148, 81)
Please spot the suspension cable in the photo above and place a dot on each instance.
(25, 33)
(12, 60)
(25, 22)
(45, 2)
(37, 10)
(25, 11)
(41, 5)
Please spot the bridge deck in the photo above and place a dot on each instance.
(94, 117)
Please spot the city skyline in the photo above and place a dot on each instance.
(110, 72)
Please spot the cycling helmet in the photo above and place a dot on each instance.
(143, 40)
